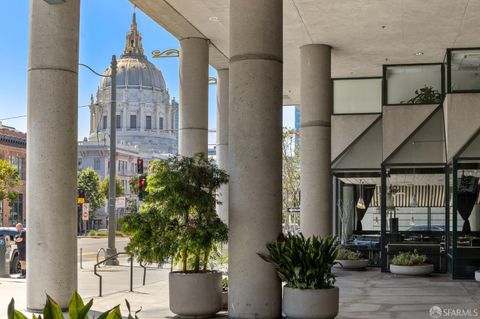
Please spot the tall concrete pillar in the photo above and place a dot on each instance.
(222, 139)
(316, 104)
(52, 152)
(193, 117)
(255, 155)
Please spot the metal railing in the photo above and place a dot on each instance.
(100, 287)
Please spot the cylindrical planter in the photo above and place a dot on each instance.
(310, 303)
(352, 264)
(416, 270)
(224, 300)
(195, 295)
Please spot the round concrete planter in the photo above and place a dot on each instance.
(352, 264)
(310, 303)
(224, 300)
(195, 295)
(417, 270)
(477, 275)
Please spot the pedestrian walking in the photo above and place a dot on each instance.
(21, 242)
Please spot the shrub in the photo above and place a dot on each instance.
(178, 220)
(408, 258)
(97, 233)
(76, 310)
(346, 254)
(303, 263)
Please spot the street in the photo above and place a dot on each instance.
(90, 246)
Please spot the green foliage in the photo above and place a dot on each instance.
(89, 181)
(346, 254)
(425, 95)
(225, 283)
(178, 219)
(76, 310)
(408, 258)
(9, 179)
(303, 263)
(97, 233)
(133, 182)
(105, 187)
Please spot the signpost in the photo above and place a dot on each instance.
(85, 215)
(120, 202)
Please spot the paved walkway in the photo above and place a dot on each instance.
(366, 294)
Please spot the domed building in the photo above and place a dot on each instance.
(145, 114)
(146, 120)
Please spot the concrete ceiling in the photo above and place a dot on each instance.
(364, 34)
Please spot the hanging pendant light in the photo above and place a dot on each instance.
(412, 221)
(361, 202)
(413, 200)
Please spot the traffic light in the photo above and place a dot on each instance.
(81, 196)
(139, 166)
(142, 186)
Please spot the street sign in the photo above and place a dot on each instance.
(80, 200)
(120, 202)
(85, 211)
(293, 210)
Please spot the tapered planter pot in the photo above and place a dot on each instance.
(416, 270)
(352, 264)
(195, 295)
(310, 303)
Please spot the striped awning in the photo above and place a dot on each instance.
(427, 195)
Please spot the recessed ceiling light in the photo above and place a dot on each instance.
(418, 53)
(213, 19)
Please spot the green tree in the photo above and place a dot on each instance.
(105, 187)
(133, 183)
(89, 181)
(178, 218)
(9, 179)
(290, 172)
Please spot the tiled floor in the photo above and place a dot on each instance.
(371, 294)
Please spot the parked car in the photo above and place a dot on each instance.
(12, 252)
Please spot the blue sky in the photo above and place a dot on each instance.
(100, 37)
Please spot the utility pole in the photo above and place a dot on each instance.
(112, 222)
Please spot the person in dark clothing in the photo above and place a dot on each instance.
(21, 242)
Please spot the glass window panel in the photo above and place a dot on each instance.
(414, 84)
(160, 123)
(148, 123)
(465, 70)
(133, 121)
(118, 120)
(357, 96)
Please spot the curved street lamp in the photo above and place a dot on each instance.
(112, 223)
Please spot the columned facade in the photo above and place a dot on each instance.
(316, 98)
(222, 138)
(255, 155)
(52, 152)
(193, 119)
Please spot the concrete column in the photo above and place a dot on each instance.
(142, 117)
(52, 152)
(125, 118)
(222, 139)
(193, 120)
(255, 155)
(316, 99)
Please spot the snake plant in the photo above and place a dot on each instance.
(76, 310)
(303, 263)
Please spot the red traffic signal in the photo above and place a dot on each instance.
(142, 186)
(139, 166)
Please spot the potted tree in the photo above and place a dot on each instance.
(348, 259)
(305, 265)
(178, 223)
(410, 263)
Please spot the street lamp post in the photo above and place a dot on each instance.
(112, 222)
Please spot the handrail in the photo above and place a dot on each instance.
(104, 253)
(106, 259)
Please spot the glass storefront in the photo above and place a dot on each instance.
(464, 70)
(357, 95)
